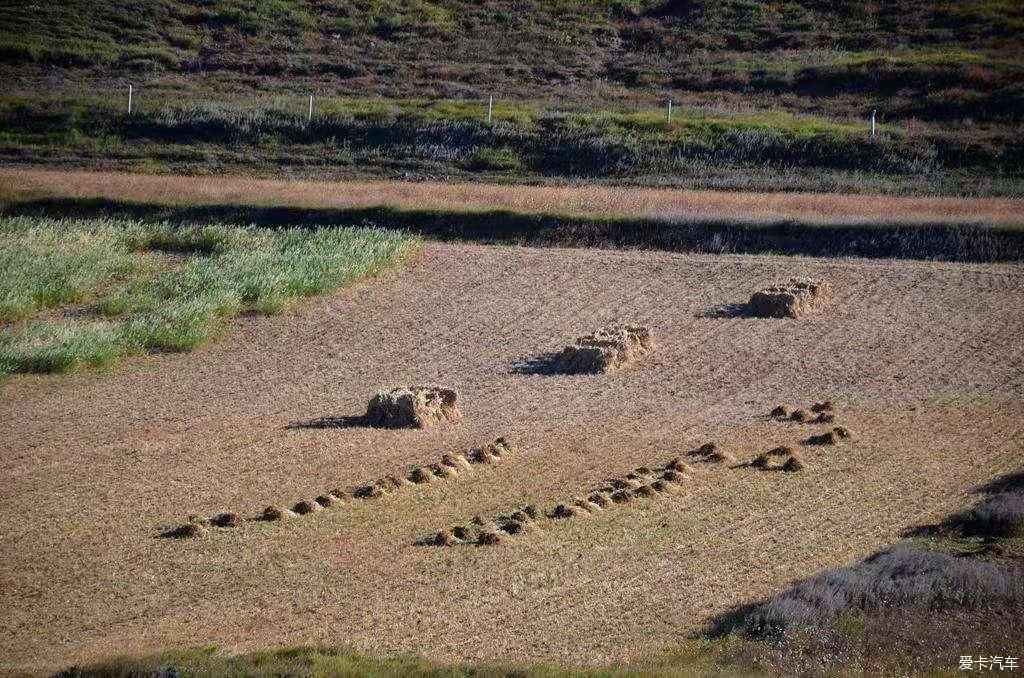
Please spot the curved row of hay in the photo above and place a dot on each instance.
(639, 484)
(450, 466)
(819, 413)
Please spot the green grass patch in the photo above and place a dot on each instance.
(216, 272)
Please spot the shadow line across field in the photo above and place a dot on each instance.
(948, 241)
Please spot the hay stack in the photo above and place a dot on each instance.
(455, 461)
(305, 507)
(444, 538)
(600, 498)
(444, 471)
(276, 513)
(825, 418)
(645, 491)
(720, 457)
(413, 407)
(191, 531)
(531, 511)
(792, 299)
(842, 431)
(780, 451)
(825, 406)
(800, 416)
(609, 349)
(622, 496)
(227, 519)
(564, 511)
(421, 474)
(780, 411)
(678, 465)
(672, 476)
(489, 538)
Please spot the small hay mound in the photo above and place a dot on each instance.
(455, 461)
(678, 464)
(825, 406)
(227, 519)
(780, 451)
(443, 471)
(761, 461)
(664, 487)
(461, 532)
(780, 411)
(489, 538)
(273, 513)
(413, 407)
(609, 349)
(198, 519)
(327, 500)
(531, 511)
(444, 538)
(190, 531)
(672, 476)
(720, 457)
(793, 464)
(645, 491)
(421, 474)
(374, 491)
(622, 496)
(600, 498)
(340, 496)
(824, 418)
(490, 453)
(305, 507)
(842, 432)
(521, 516)
(705, 450)
(513, 526)
(586, 505)
(800, 416)
(793, 299)
(564, 511)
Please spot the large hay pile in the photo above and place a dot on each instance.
(413, 407)
(606, 350)
(792, 299)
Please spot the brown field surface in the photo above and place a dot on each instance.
(925, 362)
(570, 200)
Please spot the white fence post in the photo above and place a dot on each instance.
(310, 118)
(490, 108)
(873, 121)
(129, 98)
(670, 110)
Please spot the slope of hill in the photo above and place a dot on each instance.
(949, 75)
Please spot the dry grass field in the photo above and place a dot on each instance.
(924, 362)
(567, 200)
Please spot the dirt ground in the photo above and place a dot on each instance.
(925, 363)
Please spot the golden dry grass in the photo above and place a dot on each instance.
(570, 200)
(95, 466)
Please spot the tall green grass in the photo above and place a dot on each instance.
(131, 306)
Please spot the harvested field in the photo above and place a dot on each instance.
(95, 464)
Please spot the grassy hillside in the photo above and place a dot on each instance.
(570, 76)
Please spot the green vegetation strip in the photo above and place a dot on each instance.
(87, 292)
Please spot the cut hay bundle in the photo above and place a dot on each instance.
(761, 461)
(413, 407)
(825, 406)
(720, 457)
(661, 486)
(842, 432)
(513, 526)
(609, 349)
(564, 511)
(444, 538)
(374, 491)
(340, 496)
(521, 516)
(443, 471)
(276, 513)
(645, 491)
(800, 416)
(455, 461)
(672, 476)
(491, 452)
(327, 500)
(489, 538)
(190, 531)
(198, 519)
(678, 464)
(305, 507)
(227, 519)
(793, 299)
(706, 450)
(421, 474)
(793, 464)
(600, 498)
(825, 418)
(531, 511)
(586, 505)
(780, 411)
(622, 496)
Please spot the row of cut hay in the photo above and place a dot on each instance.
(640, 483)
(451, 465)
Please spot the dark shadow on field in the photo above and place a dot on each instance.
(543, 364)
(940, 241)
(330, 422)
(728, 311)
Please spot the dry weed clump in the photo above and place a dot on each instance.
(609, 349)
(413, 407)
(793, 299)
